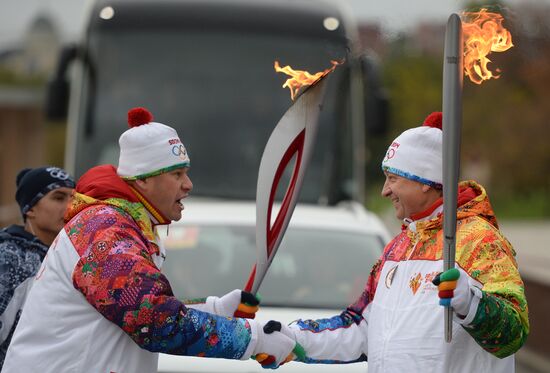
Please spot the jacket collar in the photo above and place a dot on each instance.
(157, 218)
(18, 231)
(431, 213)
(472, 201)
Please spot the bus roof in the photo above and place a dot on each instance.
(296, 17)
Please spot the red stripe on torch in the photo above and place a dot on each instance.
(250, 281)
(296, 147)
(272, 233)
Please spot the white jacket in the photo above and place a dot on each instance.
(61, 332)
(397, 324)
(402, 331)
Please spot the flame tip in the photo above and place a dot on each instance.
(302, 78)
(484, 34)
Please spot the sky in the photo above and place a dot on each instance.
(16, 16)
(392, 15)
(398, 15)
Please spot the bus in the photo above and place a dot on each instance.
(206, 68)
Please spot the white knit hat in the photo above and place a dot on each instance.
(149, 148)
(417, 153)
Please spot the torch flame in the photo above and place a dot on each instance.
(300, 78)
(483, 34)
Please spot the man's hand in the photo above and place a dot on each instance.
(454, 290)
(237, 303)
(249, 305)
(273, 347)
(298, 353)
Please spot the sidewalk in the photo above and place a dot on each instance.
(529, 361)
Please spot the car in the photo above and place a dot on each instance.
(321, 267)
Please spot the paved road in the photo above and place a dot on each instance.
(522, 368)
(531, 241)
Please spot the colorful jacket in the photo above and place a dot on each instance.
(397, 323)
(105, 306)
(21, 254)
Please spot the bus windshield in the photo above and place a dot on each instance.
(219, 91)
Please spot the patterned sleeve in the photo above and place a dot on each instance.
(500, 325)
(340, 339)
(15, 279)
(14, 271)
(117, 276)
(8, 274)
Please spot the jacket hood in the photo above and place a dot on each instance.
(102, 182)
(102, 186)
(472, 201)
(477, 206)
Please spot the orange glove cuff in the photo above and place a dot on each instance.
(447, 285)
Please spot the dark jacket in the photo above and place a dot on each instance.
(21, 254)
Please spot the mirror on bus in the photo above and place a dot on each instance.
(57, 94)
(375, 96)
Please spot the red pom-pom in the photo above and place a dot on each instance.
(434, 120)
(138, 116)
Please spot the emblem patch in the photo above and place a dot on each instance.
(390, 276)
(414, 282)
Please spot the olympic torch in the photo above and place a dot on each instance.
(452, 123)
(293, 138)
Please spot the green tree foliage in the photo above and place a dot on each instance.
(10, 78)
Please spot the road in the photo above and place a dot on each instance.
(522, 368)
(530, 240)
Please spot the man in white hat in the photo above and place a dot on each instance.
(103, 302)
(397, 323)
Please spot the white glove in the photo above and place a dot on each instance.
(227, 305)
(463, 296)
(455, 291)
(289, 331)
(277, 345)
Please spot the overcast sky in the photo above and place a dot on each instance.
(392, 15)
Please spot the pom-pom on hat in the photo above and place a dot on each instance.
(417, 153)
(149, 148)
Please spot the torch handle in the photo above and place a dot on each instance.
(452, 123)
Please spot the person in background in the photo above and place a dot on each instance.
(397, 323)
(104, 304)
(43, 195)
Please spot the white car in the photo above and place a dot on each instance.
(320, 268)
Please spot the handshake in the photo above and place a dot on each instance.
(274, 344)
